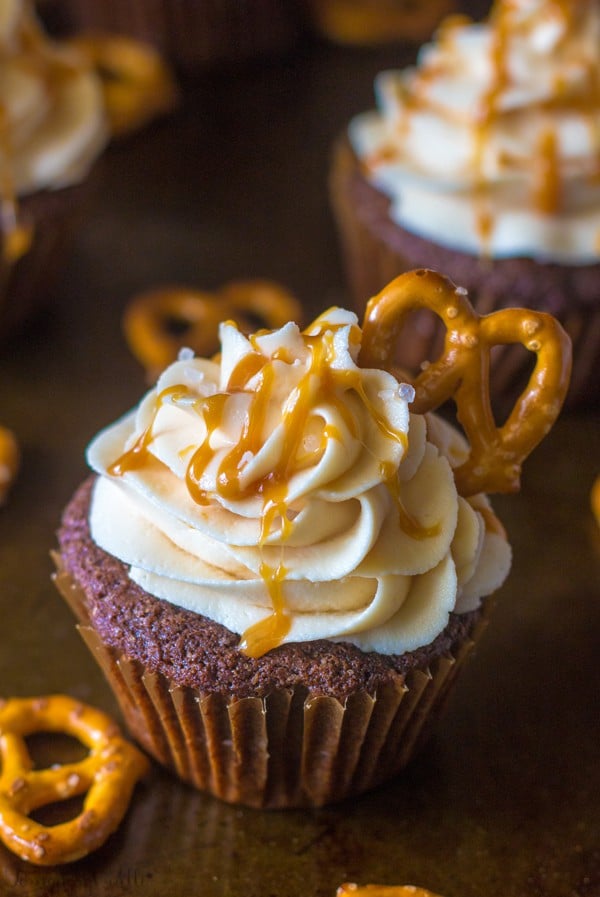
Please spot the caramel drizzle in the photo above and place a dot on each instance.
(254, 376)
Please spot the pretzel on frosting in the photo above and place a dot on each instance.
(160, 322)
(108, 774)
(462, 372)
(137, 84)
(352, 890)
(9, 461)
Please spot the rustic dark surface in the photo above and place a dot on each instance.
(505, 801)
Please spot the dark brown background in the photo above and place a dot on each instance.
(505, 801)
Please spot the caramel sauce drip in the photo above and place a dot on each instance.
(407, 522)
(546, 187)
(16, 238)
(490, 521)
(254, 376)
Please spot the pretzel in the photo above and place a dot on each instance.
(137, 84)
(461, 373)
(108, 775)
(352, 890)
(9, 461)
(159, 323)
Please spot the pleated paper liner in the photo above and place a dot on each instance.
(289, 749)
(368, 240)
(27, 282)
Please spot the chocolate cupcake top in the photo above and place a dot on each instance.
(489, 145)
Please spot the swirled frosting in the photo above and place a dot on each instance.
(289, 494)
(491, 143)
(52, 122)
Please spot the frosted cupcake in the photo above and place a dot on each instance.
(279, 566)
(53, 129)
(482, 161)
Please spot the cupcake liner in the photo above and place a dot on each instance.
(192, 33)
(288, 749)
(375, 250)
(27, 283)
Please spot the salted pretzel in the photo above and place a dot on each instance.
(137, 84)
(108, 774)
(462, 371)
(352, 890)
(9, 461)
(160, 322)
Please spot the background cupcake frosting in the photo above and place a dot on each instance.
(52, 105)
(490, 143)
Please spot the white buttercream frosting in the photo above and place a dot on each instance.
(51, 104)
(282, 482)
(491, 143)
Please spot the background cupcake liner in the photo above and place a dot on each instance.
(289, 749)
(371, 258)
(27, 283)
(191, 33)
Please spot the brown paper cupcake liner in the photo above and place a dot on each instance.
(28, 282)
(191, 33)
(288, 749)
(371, 258)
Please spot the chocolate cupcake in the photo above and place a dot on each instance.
(274, 567)
(192, 34)
(482, 162)
(54, 129)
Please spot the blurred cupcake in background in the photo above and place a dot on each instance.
(52, 129)
(191, 34)
(372, 22)
(483, 161)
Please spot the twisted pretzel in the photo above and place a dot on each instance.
(352, 890)
(137, 84)
(159, 323)
(108, 775)
(462, 372)
(9, 461)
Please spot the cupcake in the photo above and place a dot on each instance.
(53, 129)
(482, 161)
(372, 22)
(192, 34)
(273, 562)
